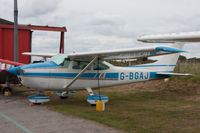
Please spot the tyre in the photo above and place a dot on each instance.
(63, 97)
(7, 89)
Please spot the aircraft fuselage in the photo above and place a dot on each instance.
(49, 76)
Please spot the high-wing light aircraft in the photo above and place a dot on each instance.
(69, 72)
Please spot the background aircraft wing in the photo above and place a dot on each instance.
(44, 55)
(131, 53)
(171, 38)
(11, 62)
(6, 64)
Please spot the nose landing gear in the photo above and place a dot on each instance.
(7, 91)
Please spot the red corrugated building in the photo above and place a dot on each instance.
(7, 42)
(24, 39)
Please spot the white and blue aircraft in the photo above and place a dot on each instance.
(86, 71)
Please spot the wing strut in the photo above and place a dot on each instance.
(67, 87)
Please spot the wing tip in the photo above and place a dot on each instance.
(169, 49)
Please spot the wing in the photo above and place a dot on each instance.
(125, 53)
(44, 55)
(171, 38)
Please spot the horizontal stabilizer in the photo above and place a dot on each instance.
(171, 38)
(173, 74)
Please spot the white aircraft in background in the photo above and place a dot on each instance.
(87, 71)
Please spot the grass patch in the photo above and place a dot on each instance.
(150, 107)
(138, 112)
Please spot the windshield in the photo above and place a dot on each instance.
(58, 59)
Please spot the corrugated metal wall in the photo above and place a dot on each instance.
(7, 44)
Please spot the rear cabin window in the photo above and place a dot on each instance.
(101, 66)
(80, 65)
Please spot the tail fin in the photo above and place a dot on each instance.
(166, 62)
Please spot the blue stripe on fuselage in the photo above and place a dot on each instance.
(152, 75)
(112, 75)
(72, 75)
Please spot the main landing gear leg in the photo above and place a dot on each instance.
(90, 93)
(64, 95)
(93, 99)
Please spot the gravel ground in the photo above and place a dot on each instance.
(16, 116)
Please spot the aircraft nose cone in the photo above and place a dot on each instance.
(15, 71)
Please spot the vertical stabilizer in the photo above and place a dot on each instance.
(166, 62)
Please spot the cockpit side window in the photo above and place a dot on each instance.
(65, 63)
(101, 66)
(80, 65)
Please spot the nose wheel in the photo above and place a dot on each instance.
(1, 88)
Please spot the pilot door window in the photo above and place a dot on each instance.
(65, 63)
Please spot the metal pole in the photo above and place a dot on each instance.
(62, 43)
(15, 31)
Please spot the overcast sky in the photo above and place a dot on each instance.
(105, 24)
